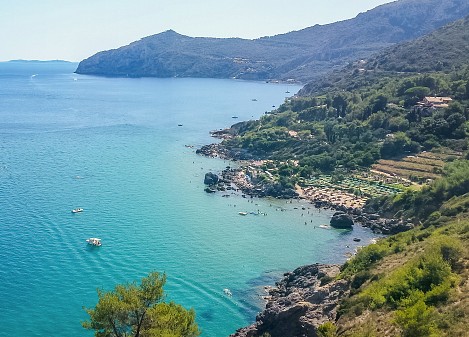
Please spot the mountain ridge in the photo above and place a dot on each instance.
(441, 50)
(301, 55)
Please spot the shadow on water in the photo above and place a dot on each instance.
(252, 298)
(207, 315)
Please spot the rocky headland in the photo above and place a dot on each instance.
(303, 300)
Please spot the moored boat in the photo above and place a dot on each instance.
(94, 242)
(77, 210)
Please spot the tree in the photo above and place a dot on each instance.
(380, 103)
(340, 103)
(140, 311)
(419, 92)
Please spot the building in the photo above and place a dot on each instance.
(436, 102)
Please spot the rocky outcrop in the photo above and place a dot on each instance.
(342, 220)
(300, 302)
(239, 180)
(383, 225)
(210, 178)
(219, 151)
(277, 191)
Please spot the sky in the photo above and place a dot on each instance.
(73, 30)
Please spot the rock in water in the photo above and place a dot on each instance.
(210, 178)
(342, 220)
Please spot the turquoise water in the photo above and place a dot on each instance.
(114, 147)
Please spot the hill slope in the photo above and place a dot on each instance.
(301, 55)
(415, 283)
(442, 50)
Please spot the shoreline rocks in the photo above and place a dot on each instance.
(309, 296)
(304, 299)
(240, 180)
(342, 220)
(210, 178)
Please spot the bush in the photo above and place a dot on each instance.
(429, 277)
(364, 259)
(360, 278)
(449, 248)
(417, 320)
(327, 329)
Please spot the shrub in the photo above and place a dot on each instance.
(417, 320)
(327, 329)
(360, 278)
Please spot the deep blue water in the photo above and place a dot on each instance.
(114, 147)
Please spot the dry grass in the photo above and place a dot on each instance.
(405, 173)
(425, 161)
(425, 165)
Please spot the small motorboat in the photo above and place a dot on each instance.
(77, 210)
(227, 292)
(234, 116)
(94, 242)
(243, 213)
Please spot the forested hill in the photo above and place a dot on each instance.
(445, 49)
(301, 55)
(364, 114)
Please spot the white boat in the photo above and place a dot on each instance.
(243, 213)
(227, 292)
(77, 210)
(94, 242)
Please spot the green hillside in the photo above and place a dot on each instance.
(441, 51)
(415, 283)
(369, 115)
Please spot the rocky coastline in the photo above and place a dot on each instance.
(303, 300)
(238, 180)
(308, 296)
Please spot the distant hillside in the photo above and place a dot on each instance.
(301, 55)
(442, 50)
(365, 112)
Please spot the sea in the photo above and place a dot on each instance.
(123, 149)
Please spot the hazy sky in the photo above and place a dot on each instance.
(75, 29)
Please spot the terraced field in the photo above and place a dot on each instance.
(418, 168)
(354, 185)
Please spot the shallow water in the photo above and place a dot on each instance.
(114, 147)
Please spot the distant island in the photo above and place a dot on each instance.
(39, 61)
(300, 56)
